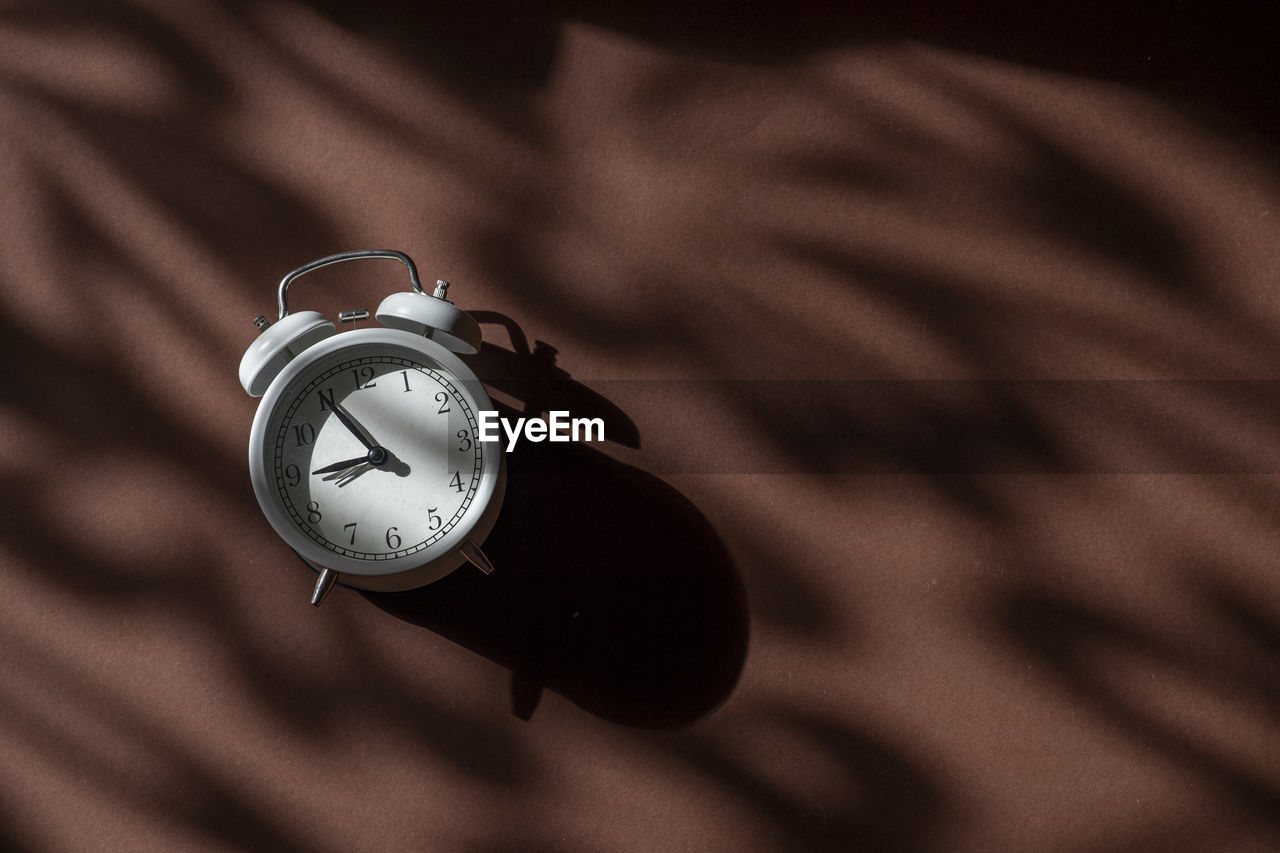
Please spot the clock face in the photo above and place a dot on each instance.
(371, 454)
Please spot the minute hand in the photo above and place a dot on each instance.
(351, 425)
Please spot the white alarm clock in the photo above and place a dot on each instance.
(364, 452)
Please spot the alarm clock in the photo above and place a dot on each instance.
(364, 453)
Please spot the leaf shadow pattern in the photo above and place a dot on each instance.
(881, 800)
(1080, 642)
(611, 587)
(208, 803)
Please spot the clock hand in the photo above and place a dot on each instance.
(375, 456)
(350, 474)
(395, 465)
(355, 430)
(341, 466)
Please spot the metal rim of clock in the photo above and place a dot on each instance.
(392, 254)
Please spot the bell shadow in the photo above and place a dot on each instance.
(532, 377)
(611, 588)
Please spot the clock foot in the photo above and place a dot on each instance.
(324, 583)
(475, 556)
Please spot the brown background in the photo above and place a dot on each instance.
(938, 345)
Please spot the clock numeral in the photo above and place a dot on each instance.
(393, 541)
(433, 521)
(456, 482)
(363, 377)
(443, 399)
(292, 474)
(304, 434)
(352, 525)
(464, 440)
(404, 374)
(326, 399)
(313, 513)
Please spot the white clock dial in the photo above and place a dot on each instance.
(374, 457)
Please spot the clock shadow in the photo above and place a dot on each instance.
(611, 588)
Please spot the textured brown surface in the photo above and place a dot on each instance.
(940, 515)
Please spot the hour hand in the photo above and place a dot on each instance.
(342, 466)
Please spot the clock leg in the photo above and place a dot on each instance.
(475, 556)
(324, 583)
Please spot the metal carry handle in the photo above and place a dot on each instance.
(346, 256)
